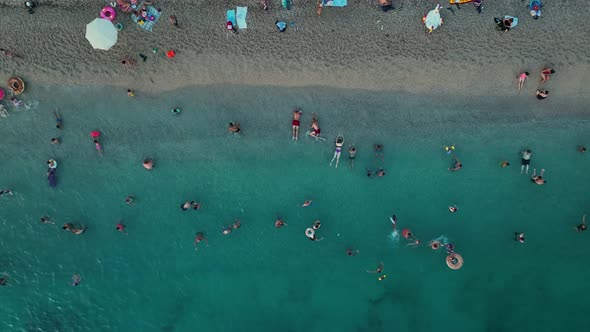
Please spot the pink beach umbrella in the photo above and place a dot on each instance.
(1, 93)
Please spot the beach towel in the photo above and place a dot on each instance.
(241, 13)
(334, 3)
(148, 22)
(231, 16)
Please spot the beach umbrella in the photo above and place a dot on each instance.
(432, 20)
(101, 33)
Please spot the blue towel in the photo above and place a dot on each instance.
(241, 13)
(147, 23)
(231, 16)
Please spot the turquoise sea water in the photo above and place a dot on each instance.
(260, 278)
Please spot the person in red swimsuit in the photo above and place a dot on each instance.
(315, 127)
(295, 124)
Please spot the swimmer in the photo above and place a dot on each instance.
(450, 248)
(76, 280)
(538, 179)
(130, 200)
(414, 243)
(121, 228)
(394, 222)
(521, 78)
(306, 203)
(351, 252)
(130, 93)
(74, 229)
(449, 149)
(581, 149)
(546, 74)
(198, 238)
(369, 173)
(526, 160)
(519, 237)
(148, 164)
(378, 270)
(55, 141)
(351, 156)
(316, 225)
(227, 230)
(186, 205)
(380, 172)
(280, 223)
(51, 163)
(457, 165)
(233, 127)
(237, 224)
(196, 205)
(315, 127)
(45, 220)
(295, 124)
(338, 142)
(5, 191)
(98, 147)
(407, 233)
(176, 111)
(15, 102)
(4, 280)
(453, 208)
(58, 120)
(582, 227)
(504, 163)
(541, 94)
(378, 151)
(382, 277)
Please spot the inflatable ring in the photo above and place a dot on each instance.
(435, 245)
(54, 163)
(119, 26)
(310, 233)
(407, 233)
(16, 85)
(108, 13)
(454, 261)
(2, 94)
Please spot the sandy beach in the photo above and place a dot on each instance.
(357, 46)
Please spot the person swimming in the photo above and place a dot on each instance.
(187, 205)
(504, 163)
(5, 192)
(538, 179)
(378, 270)
(234, 127)
(453, 208)
(380, 172)
(316, 225)
(280, 223)
(45, 220)
(582, 227)
(306, 203)
(58, 120)
(76, 280)
(351, 156)
(338, 142)
(526, 160)
(295, 124)
(378, 151)
(519, 237)
(121, 228)
(457, 165)
(148, 164)
(200, 236)
(73, 229)
(315, 127)
(130, 200)
(351, 252)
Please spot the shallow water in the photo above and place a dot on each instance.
(263, 278)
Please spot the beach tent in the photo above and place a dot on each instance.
(101, 33)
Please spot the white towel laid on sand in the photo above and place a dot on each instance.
(241, 13)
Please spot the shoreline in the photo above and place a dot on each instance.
(345, 48)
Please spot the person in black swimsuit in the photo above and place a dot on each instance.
(582, 227)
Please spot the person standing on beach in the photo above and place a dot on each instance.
(521, 78)
(58, 120)
(295, 124)
(582, 227)
(526, 160)
(546, 74)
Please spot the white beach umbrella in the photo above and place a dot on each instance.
(101, 33)
(432, 20)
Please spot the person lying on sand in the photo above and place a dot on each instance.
(542, 94)
(385, 5)
(9, 54)
(546, 74)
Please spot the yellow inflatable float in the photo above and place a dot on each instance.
(459, 2)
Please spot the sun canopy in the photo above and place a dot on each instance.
(101, 33)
